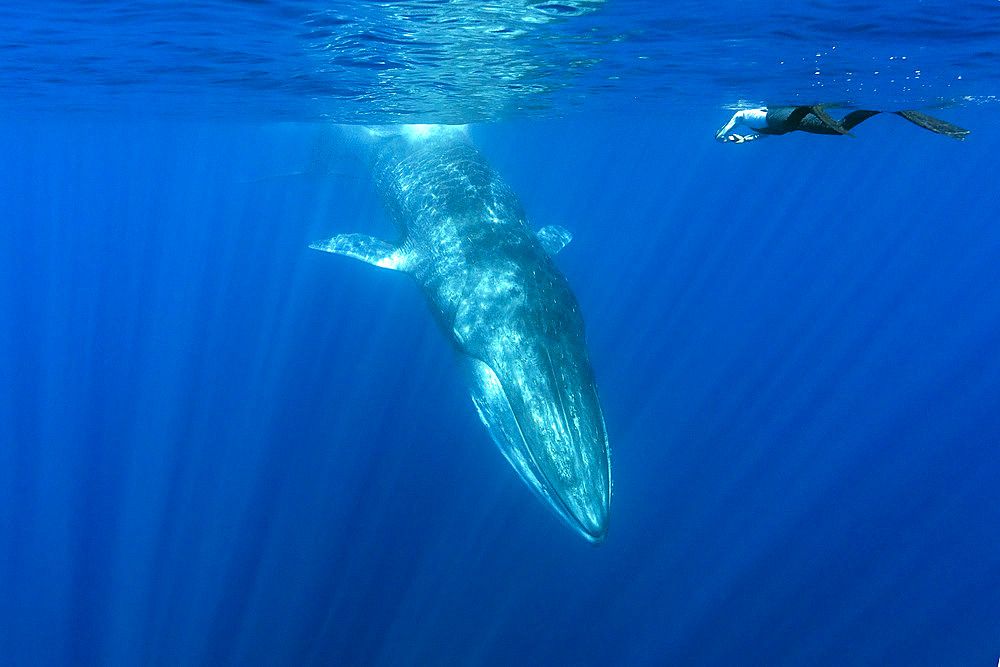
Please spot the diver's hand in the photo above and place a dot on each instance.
(740, 138)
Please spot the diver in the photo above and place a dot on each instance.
(815, 119)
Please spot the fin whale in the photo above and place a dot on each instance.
(509, 313)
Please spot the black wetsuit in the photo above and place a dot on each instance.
(781, 120)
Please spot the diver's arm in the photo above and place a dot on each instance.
(755, 119)
(720, 136)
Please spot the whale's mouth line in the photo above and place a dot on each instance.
(551, 494)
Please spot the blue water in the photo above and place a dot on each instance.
(220, 447)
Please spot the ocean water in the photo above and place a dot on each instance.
(218, 446)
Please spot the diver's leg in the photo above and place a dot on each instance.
(855, 117)
(794, 118)
(933, 124)
(826, 120)
(811, 119)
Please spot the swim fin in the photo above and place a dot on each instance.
(934, 124)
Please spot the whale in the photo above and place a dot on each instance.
(494, 290)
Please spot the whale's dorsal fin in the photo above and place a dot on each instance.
(367, 249)
(553, 238)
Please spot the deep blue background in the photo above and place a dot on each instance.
(220, 447)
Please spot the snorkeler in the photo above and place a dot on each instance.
(781, 120)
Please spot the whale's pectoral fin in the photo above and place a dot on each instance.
(553, 238)
(366, 248)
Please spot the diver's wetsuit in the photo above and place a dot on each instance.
(815, 119)
(781, 120)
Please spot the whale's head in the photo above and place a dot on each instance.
(538, 398)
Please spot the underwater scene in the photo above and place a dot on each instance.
(471, 333)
